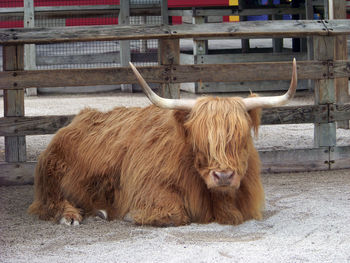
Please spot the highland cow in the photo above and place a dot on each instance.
(179, 162)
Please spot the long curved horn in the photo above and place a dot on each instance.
(159, 101)
(274, 101)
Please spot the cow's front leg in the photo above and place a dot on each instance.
(165, 208)
(225, 210)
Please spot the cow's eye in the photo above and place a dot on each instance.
(200, 161)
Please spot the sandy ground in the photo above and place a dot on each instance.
(307, 219)
(307, 215)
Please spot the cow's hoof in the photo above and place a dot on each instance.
(102, 214)
(69, 221)
(128, 218)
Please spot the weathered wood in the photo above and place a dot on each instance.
(38, 125)
(340, 112)
(249, 29)
(15, 146)
(29, 50)
(250, 57)
(341, 53)
(245, 86)
(79, 77)
(169, 56)
(16, 173)
(200, 47)
(159, 74)
(124, 19)
(249, 71)
(295, 160)
(324, 133)
(106, 58)
(340, 157)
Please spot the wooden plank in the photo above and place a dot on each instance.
(246, 86)
(340, 112)
(169, 56)
(251, 57)
(249, 29)
(38, 125)
(158, 74)
(249, 71)
(296, 160)
(78, 77)
(29, 50)
(338, 27)
(324, 133)
(340, 157)
(341, 53)
(124, 19)
(200, 47)
(16, 173)
(15, 146)
(98, 58)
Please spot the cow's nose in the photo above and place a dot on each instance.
(223, 178)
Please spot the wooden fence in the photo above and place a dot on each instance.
(324, 70)
(40, 16)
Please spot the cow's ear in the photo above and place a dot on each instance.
(255, 116)
(180, 116)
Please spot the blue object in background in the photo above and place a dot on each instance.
(265, 17)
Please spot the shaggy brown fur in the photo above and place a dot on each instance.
(153, 165)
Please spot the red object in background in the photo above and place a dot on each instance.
(105, 21)
(189, 3)
(91, 21)
(171, 3)
(11, 24)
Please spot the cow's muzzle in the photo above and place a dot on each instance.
(223, 178)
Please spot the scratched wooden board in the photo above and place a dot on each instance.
(160, 74)
(38, 125)
(248, 29)
(340, 157)
(295, 160)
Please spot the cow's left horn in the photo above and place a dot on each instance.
(273, 101)
(159, 101)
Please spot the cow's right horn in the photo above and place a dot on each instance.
(274, 101)
(159, 101)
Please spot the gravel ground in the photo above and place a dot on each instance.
(306, 219)
(307, 215)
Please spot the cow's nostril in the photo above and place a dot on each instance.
(227, 175)
(217, 175)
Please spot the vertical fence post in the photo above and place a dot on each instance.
(341, 53)
(200, 47)
(169, 55)
(125, 57)
(29, 49)
(15, 146)
(325, 133)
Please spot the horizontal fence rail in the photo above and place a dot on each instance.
(253, 71)
(37, 125)
(249, 29)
